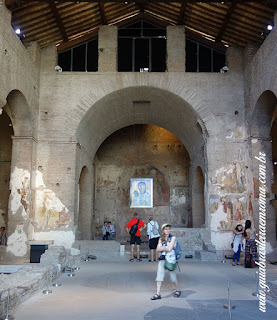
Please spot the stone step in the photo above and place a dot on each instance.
(206, 255)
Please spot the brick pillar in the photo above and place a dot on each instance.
(176, 48)
(234, 59)
(49, 58)
(34, 51)
(20, 202)
(107, 48)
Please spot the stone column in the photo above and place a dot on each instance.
(234, 59)
(107, 48)
(176, 48)
(20, 203)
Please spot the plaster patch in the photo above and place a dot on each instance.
(61, 238)
(222, 240)
(254, 140)
(218, 217)
(20, 191)
(16, 242)
(240, 133)
(39, 180)
(230, 136)
(269, 248)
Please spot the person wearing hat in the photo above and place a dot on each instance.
(166, 247)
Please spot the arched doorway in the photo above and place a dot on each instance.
(264, 139)
(6, 131)
(84, 206)
(198, 200)
(141, 151)
(21, 168)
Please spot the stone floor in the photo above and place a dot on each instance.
(121, 290)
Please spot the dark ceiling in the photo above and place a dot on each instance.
(69, 23)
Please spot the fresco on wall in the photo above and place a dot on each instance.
(227, 212)
(141, 193)
(231, 178)
(179, 208)
(51, 212)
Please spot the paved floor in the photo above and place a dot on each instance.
(118, 290)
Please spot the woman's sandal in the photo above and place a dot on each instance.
(177, 293)
(139, 260)
(131, 260)
(156, 297)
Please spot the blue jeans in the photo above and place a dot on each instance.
(237, 254)
(105, 237)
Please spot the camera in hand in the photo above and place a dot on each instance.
(162, 257)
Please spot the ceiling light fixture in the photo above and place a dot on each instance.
(269, 27)
(17, 31)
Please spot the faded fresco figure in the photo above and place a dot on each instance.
(141, 197)
(229, 207)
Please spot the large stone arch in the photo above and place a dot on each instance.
(95, 118)
(20, 113)
(127, 82)
(149, 105)
(263, 139)
(20, 200)
(6, 131)
(264, 114)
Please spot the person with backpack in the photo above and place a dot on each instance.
(154, 236)
(134, 228)
(167, 245)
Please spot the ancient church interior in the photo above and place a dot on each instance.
(95, 93)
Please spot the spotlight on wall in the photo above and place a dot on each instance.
(18, 31)
(269, 27)
(58, 69)
(224, 69)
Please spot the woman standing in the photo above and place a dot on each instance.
(166, 247)
(250, 235)
(237, 243)
(153, 234)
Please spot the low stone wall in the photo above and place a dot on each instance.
(25, 283)
(31, 279)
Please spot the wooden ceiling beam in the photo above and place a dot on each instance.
(225, 22)
(58, 20)
(181, 19)
(103, 13)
